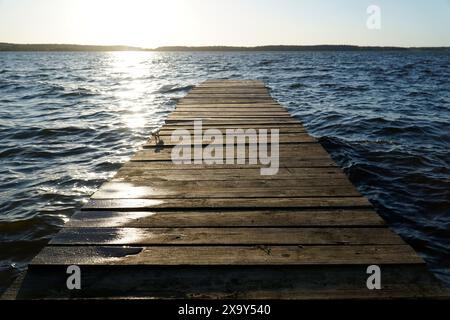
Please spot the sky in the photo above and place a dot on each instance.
(153, 23)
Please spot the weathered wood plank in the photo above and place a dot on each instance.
(284, 163)
(224, 100)
(226, 255)
(229, 111)
(168, 141)
(177, 175)
(225, 96)
(149, 155)
(235, 283)
(126, 190)
(231, 184)
(254, 123)
(226, 236)
(262, 218)
(272, 119)
(169, 130)
(201, 87)
(221, 117)
(224, 112)
(230, 174)
(255, 126)
(133, 204)
(231, 84)
(178, 193)
(252, 106)
(198, 112)
(302, 152)
(241, 82)
(229, 91)
(179, 282)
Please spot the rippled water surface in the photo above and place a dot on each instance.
(68, 121)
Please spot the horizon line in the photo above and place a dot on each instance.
(121, 47)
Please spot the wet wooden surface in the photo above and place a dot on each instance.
(165, 230)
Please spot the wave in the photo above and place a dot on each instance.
(174, 89)
(296, 86)
(39, 132)
(344, 88)
(266, 62)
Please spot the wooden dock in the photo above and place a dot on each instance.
(165, 230)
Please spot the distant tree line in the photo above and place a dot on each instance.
(75, 47)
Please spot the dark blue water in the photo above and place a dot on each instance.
(68, 121)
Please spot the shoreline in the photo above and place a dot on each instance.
(10, 47)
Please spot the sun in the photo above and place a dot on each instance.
(142, 23)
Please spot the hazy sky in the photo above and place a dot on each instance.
(151, 23)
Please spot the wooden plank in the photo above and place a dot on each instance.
(199, 112)
(284, 133)
(229, 114)
(231, 84)
(241, 82)
(284, 163)
(189, 125)
(293, 148)
(301, 152)
(234, 96)
(240, 192)
(227, 255)
(177, 175)
(266, 107)
(283, 136)
(182, 119)
(256, 282)
(226, 111)
(235, 109)
(168, 141)
(216, 116)
(227, 99)
(226, 236)
(248, 106)
(255, 126)
(165, 155)
(241, 121)
(125, 190)
(133, 204)
(229, 91)
(219, 115)
(224, 101)
(214, 86)
(233, 87)
(230, 184)
(286, 137)
(241, 87)
(169, 130)
(249, 173)
(262, 218)
(230, 174)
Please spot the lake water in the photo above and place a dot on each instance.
(69, 120)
